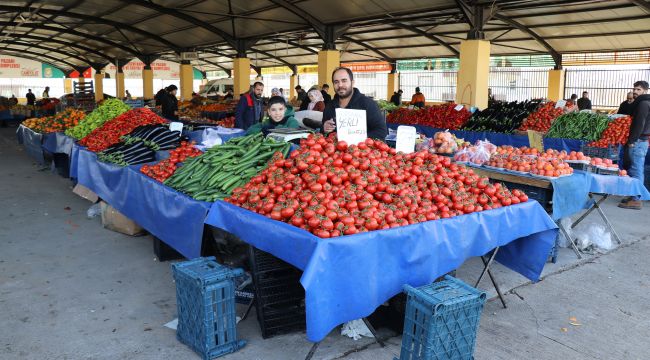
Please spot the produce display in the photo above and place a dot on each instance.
(217, 107)
(443, 116)
(108, 110)
(581, 126)
(541, 119)
(477, 154)
(386, 105)
(213, 175)
(443, 142)
(331, 189)
(548, 164)
(165, 168)
(56, 123)
(109, 133)
(501, 117)
(140, 145)
(616, 133)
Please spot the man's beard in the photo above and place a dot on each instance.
(345, 95)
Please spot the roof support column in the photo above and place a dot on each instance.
(293, 82)
(99, 86)
(328, 60)
(120, 90)
(242, 75)
(187, 80)
(67, 86)
(147, 82)
(472, 88)
(393, 83)
(555, 85)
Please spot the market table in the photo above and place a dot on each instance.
(347, 278)
(58, 143)
(32, 141)
(171, 216)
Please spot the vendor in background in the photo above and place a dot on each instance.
(349, 97)
(13, 100)
(249, 109)
(635, 150)
(46, 92)
(584, 103)
(418, 98)
(159, 96)
(397, 97)
(570, 105)
(301, 95)
(229, 95)
(31, 98)
(280, 115)
(169, 103)
(324, 90)
(128, 95)
(626, 107)
(316, 102)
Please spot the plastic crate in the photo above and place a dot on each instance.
(602, 171)
(543, 196)
(279, 296)
(441, 321)
(581, 167)
(611, 152)
(205, 297)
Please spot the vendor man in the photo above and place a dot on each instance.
(250, 109)
(349, 97)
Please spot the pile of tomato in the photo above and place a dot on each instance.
(165, 168)
(616, 133)
(331, 189)
(443, 116)
(541, 119)
(111, 131)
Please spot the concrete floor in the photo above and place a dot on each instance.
(70, 289)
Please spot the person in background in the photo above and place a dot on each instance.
(31, 98)
(159, 96)
(635, 150)
(46, 92)
(229, 95)
(280, 115)
(128, 95)
(490, 96)
(349, 97)
(325, 92)
(626, 107)
(301, 95)
(275, 92)
(316, 102)
(418, 98)
(13, 99)
(249, 109)
(570, 105)
(282, 94)
(584, 103)
(397, 97)
(169, 103)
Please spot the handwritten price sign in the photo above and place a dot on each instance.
(351, 125)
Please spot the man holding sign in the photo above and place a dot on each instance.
(348, 97)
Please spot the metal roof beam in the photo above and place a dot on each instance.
(430, 37)
(644, 5)
(29, 45)
(373, 49)
(57, 41)
(37, 56)
(557, 58)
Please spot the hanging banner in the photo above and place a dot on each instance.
(276, 70)
(88, 74)
(162, 69)
(51, 72)
(307, 69)
(371, 66)
(15, 67)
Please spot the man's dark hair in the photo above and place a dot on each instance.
(348, 70)
(326, 86)
(257, 83)
(642, 84)
(298, 87)
(276, 100)
(171, 88)
(29, 89)
(574, 96)
(585, 92)
(400, 91)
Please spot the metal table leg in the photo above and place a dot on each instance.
(571, 241)
(248, 309)
(606, 220)
(486, 269)
(314, 347)
(312, 351)
(494, 282)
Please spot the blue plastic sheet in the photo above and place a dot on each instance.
(570, 194)
(32, 141)
(58, 143)
(348, 277)
(618, 185)
(175, 218)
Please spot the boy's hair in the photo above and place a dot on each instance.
(277, 100)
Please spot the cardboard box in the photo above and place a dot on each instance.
(85, 193)
(114, 220)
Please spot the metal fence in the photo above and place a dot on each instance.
(436, 85)
(607, 87)
(19, 86)
(372, 84)
(512, 84)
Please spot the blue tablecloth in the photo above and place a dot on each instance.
(175, 218)
(617, 185)
(32, 141)
(348, 277)
(58, 143)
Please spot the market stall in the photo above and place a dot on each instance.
(32, 141)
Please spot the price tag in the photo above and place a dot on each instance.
(406, 136)
(411, 107)
(351, 125)
(176, 126)
(459, 107)
(560, 104)
(535, 140)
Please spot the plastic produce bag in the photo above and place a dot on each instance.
(596, 235)
(562, 240)
(211, 138)
(355, 329)
(94, 211)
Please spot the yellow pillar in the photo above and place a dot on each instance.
(328, 60)
(67, 86)
(472, 88)
(293, 82)
(187, 81)
(555, 85)
(393, 84)
(81, 79)
(120, 90)
(242, 75)
(99, 86)
(147, 82)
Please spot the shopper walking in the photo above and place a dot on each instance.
(31, 98)
(584, 103)
(397, 97)
(637, 142)
(349, 97)
(418, 98)
(249, 109)
(169, 103)
(325, 92)
(626, 106)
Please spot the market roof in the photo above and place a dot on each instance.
(73, 34)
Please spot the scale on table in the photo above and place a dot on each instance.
(289, 135)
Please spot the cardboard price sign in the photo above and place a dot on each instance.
(406, 136)
(351, 125)
(535, 140)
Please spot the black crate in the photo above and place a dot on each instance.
(602, 171)
(279, 296)
(165, 252)
(543, 196)
(610, 152)
(581, 166)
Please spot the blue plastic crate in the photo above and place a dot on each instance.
(441, 321)
(205, 297)
(610, 152)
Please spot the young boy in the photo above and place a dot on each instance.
(280, 115)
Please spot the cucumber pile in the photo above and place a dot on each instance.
(215, 174)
